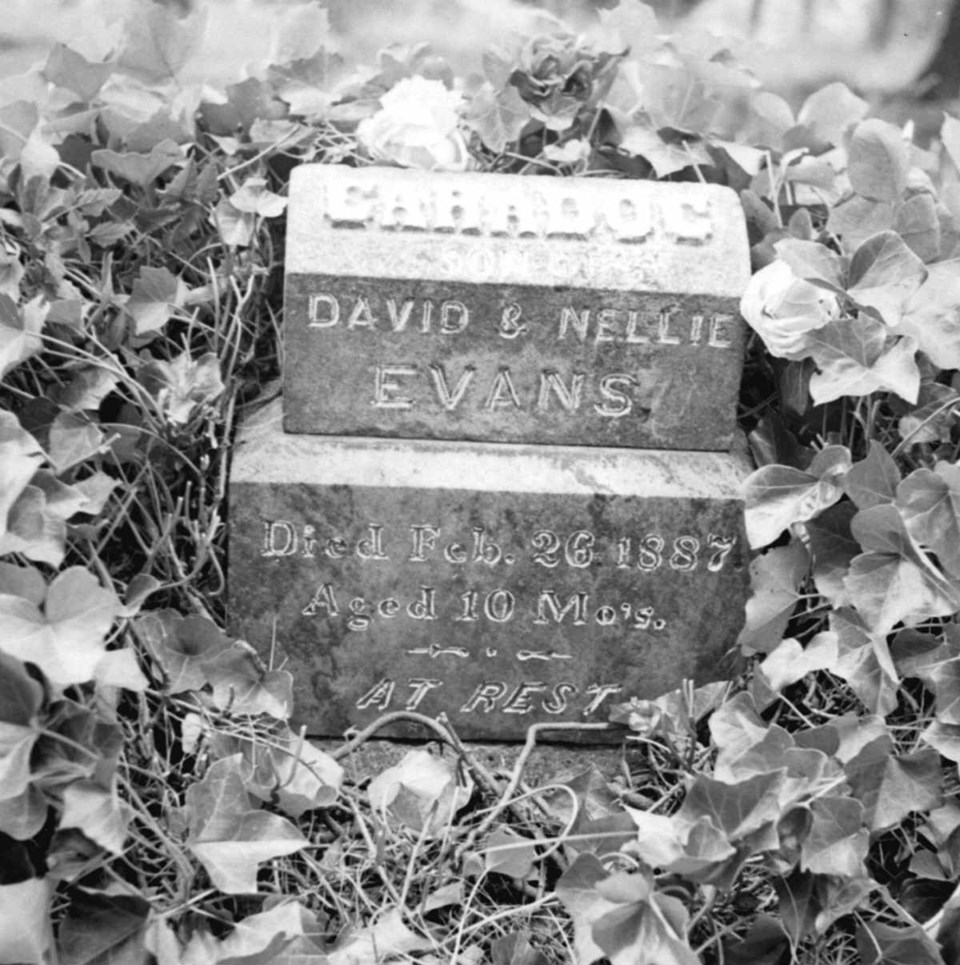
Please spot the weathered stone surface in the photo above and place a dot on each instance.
(499, 308)
(499, 584)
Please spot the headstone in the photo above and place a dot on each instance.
(501, 585)
(491, 493)
(493, 307)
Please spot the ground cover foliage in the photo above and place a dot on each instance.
(155, 805)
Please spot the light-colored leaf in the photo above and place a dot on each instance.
(831, 111)
(880, 944)
(892, 581)
(932, 315)
(929, 502)
(852, 359)
(791, 661)
(66, 68)
(387, 938)
(509, 853)
(891, 787)
(68, 639)
(20, 457)
(20, 331)
(252, 197)
(775, 578)
(228, 836)
(873, 481)
(878, 160)
(157, 293)
(139, 168)
(26, 930)
(182, 384)
(255, 940)
(98, 812)
(73, 439)
(863, 660)
(158, 43)
(422, 792)
(884, 275)
(837, 842)
(779, 496)
(498, 116)
(577, 890)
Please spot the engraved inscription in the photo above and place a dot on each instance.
(523, 210)
(494, 696)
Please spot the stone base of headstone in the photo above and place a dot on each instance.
(502, 585)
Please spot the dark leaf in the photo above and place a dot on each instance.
(103, 930)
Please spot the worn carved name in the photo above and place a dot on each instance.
(521, 212)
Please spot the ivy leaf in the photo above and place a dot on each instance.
(509, 853)
(73, 439)
(20, 331)
(837, 842)
(932, 419)
(891, 787)
(68, 639)
(100, 929)
(939, 668)
(851, 358)
(880, 944)
(388, 937)
(864, 662)
(252, 197)
(33, 530)
(258, 939)
(498, 116)
(873, 481)
(884, 275)
(182, 384)
(734, 809)
(86, 389)
(832, 548)
(98, 812)
(857, 219)
(26, 933)
(779, 496)
(775, 577)
(646, 931)
(66, 68)
(813, 262)
(23, 816)
(666, 158)
(878, 161)
(181, 645)
(302, 776)
(20, 699)
(892, 581)
(831, 111)
(139, 169)
(929, 502)
(790, 661)
(230, 838)
(20, 457)
(918, 224)
(156, 294)
(932, 315)
(422, 793)
(577, 890)
(158, 44)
